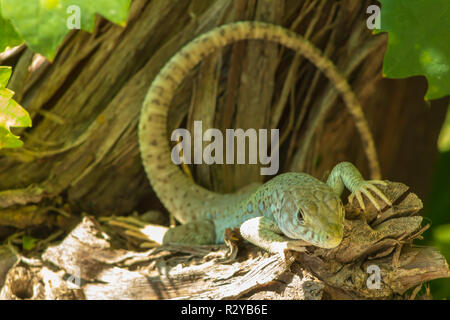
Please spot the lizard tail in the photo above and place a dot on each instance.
(181, 196)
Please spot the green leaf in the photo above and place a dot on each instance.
(419, 42)
(441, 233)
(44, 23)
(8, 35)
(28, 243)
(444, 136)
(11, 113)
(5, 74)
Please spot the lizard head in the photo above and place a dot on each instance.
(315, 216)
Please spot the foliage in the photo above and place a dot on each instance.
(11, 113)
(44, 24)
(8, 35)
(418, 44)
(419, 33)
(438, 211)
(28, 243)
(444, 137)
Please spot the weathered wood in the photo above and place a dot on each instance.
(241, 271)
(7, 260)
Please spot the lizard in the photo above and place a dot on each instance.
(290, 211)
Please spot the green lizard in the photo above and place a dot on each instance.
(291, 210)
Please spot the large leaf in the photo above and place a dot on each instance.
(11, 113)
(419, 42)
(8, 35)
(44, 23)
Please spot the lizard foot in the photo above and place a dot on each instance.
(296, 245)
(285, 250)
(364, 188)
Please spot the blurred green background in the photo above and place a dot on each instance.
(437, 209)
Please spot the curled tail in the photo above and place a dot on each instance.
(182, 197)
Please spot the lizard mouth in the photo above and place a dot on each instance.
(318, 239)
(330, 243)
(327, 241)
(322, 240)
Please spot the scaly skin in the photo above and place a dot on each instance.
(295, 205)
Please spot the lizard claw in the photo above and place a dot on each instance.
(364, 188)
(293, 245)
(296, 245)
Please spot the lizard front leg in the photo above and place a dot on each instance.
(265, 233)
(346, 174)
